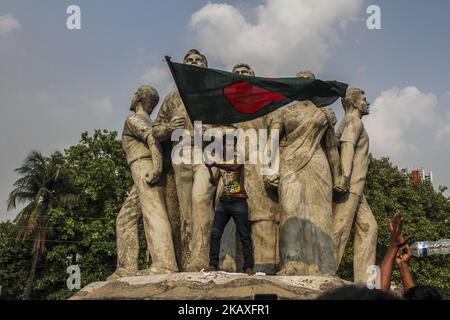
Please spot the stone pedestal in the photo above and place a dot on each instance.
(212, 286)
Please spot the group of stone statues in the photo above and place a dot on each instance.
(301, 217)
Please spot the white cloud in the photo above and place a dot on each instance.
(443, 131)
(103, 105)
(160, 78)
(287, 35)
(397, 117)
(8, 23)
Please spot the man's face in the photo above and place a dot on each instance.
(195, 60)
(242, 71)
(362, 105)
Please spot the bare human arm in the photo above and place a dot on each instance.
(402, 260)
(397, 240)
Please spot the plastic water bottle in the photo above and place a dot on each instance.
(428, 248)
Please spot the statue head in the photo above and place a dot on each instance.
(147, 97)
(355, 98)
(306, 74)
(195, 58)
(243, 69)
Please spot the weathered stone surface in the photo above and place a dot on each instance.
(213, 286)
(350, 209)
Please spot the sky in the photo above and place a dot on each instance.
(56, 83)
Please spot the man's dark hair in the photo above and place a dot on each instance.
(353, 292)
(420, 292)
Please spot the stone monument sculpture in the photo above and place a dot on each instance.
(352, 205)
(146, 198)
(296, 227)
(305, 185)
(194, 190)
(300, 227)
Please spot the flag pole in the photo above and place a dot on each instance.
(172, 71)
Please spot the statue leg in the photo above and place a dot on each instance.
(202, 216)
(265, 242)
(366, 231)
(127, 236)
(292, 244)
(156, 220)
(344, 212)
(173, 210)
(183, 181)
(306, 230)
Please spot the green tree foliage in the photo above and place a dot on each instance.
(44, 183)
(102, 178)
(15, 261)
(425, 212)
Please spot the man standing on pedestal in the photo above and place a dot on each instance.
(351, 205)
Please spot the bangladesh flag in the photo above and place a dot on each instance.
(219, 97)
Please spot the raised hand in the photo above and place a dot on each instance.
(396, 228)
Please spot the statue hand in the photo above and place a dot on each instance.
(176, 123)
(342, 184)
(272, 180)
(152, 177)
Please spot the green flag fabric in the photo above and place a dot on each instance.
(219, 97)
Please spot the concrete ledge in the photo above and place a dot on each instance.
(199, 286)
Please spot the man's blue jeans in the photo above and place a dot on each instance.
(236, 208)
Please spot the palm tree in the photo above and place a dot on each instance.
(45, 183)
